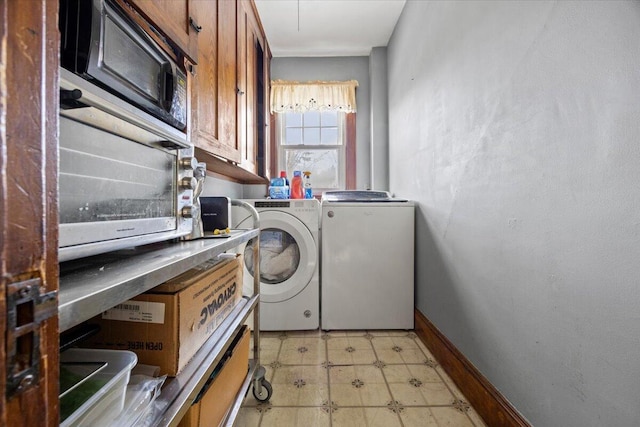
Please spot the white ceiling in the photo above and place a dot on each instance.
(328, 27)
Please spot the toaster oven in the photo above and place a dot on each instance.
(125, 177)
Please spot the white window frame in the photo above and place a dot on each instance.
(340, 147)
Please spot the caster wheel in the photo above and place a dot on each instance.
(265, 393)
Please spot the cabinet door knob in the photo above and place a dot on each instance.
(195, 25)
(240, 92)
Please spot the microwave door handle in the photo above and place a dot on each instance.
(70, 99)
(167, 89)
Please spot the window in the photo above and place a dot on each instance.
(314, 141)
(314, 129)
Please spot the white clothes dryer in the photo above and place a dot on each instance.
(289, 262)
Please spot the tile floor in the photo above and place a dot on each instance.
(355, 378)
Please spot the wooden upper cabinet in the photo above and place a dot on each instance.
(175, 20)
(245, 92)
(253, 93)
(213, 82)
(225, 94)
(249, 50)
(229, 147)
(227, 82)
(204, 80)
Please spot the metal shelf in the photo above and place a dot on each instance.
(234, 410)
(92, 285)
(179, 392)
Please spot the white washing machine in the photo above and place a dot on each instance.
(367, 261)
(289, 262)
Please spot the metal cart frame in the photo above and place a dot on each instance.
(90, 286)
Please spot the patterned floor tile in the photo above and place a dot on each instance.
(448, 416)
(299, 393)
(365, 417)
(449, 382)
(302, 351)
(419, 417)
(357, 342)
(300, 386)
(351, 356)
(398, 349)
(475, 418)
(405, 373)
(248, 417)
(358, 385)
(421, 394)
(295, 417)
(354, 378)
(388, 333)
(315, 333)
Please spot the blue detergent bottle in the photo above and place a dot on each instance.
(306, 183)
(283, 176)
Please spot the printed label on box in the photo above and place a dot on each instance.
(219, 302)
(137, 311)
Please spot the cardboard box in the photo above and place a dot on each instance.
(218, 394)
(166, 326)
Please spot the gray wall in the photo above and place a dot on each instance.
(214, 186)
(379, 145)
(337, 68)
(516, 127)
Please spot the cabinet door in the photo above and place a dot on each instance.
(29, 208)
(267, 118)
(213, 83)
(246, 65)
(204, 80)
(253, 95)
(174, 20)
(227, 80)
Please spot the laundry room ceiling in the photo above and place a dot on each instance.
(328, 27)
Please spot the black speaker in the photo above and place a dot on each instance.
(215, 213)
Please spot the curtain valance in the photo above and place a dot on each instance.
(291, 96)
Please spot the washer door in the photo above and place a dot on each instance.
(288, 256)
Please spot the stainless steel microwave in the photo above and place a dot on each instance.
(102, 44)
(125, 177)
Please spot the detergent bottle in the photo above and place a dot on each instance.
(279, 188)
(306, 184)
(283, 175)
(297, 192)
(285, 180)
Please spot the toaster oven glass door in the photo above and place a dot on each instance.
(111, 187)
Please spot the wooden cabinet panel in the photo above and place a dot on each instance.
(245, 89)
(227, 80)
(252, 73)
(173, 18)
(28, 206)
(204, 80)
(249, 147)
(265, 118)
(227, 104)
(214, 85)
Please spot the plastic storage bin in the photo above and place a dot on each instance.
(103, 406)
